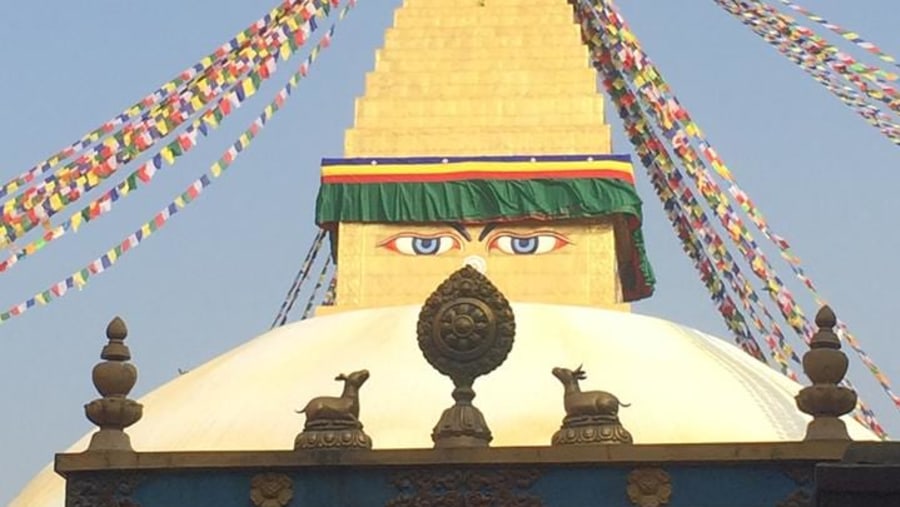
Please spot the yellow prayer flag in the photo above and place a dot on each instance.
(145, 230)
(112, 255)
(722, 170)
(248, 53)
(249, 88)
(216, 170)
(196, 103)
(79, 280)
(56, 203)
(161, 126)
(167, 155)
(203, 85)
(76, 221)
(284, 52)
(92, 179)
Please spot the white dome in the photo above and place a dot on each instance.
(683, 386)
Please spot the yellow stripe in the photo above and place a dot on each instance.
(476, 166)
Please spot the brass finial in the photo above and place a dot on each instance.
(826, 366)
(333, 422)
(465, 330)
(592, 417)
(114, 378)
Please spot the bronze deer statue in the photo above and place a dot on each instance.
(343, 408)
(588, 403)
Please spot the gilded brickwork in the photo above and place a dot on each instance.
(462, 78)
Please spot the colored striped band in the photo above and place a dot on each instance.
(485, 168)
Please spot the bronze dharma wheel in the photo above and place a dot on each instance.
(466, 329)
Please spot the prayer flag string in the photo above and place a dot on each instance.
(646, 80)
(787, 38)
(184, 142)
(669, 115)
(41, 202)
(843, 32)
(679, 128)
(164, 91)
(870, 364)
(311, 302)
(840, 61)
(80, 278)
(668, 183)
(297, 283)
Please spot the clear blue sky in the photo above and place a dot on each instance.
(215, 276)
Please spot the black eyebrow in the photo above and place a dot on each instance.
(460, 228)
(487, 229)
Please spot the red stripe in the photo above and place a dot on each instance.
(478, 175)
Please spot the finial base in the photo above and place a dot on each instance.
(113, 415)
(110, 440)
(461, 425)
(826, 428)
(591, 430)
(332, 435)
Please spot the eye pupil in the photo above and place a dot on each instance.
(425, 246)
(524, 245)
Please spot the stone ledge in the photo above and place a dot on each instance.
(683, 454)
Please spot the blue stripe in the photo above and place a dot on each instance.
(453, 160)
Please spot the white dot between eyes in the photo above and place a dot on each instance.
(476, 262)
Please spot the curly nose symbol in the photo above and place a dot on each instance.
(476, 262)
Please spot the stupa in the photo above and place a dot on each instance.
(496, 157)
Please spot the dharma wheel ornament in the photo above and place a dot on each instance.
(465, 330)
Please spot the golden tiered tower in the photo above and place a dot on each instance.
(463, 79)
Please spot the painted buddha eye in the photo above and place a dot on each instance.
(409, 244)
(528, 244)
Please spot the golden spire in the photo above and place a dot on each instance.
(480, 77)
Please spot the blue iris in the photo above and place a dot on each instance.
(524, 245)
(426, 246)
